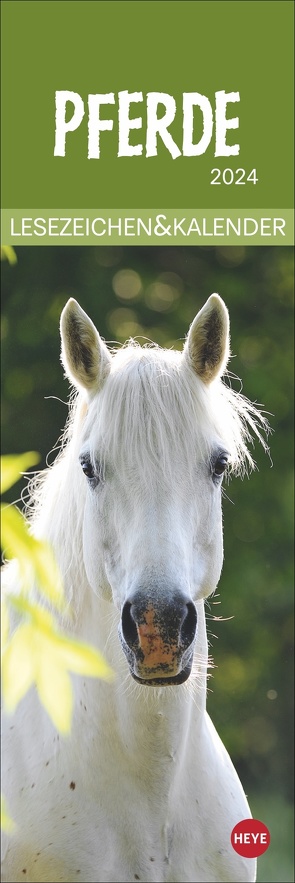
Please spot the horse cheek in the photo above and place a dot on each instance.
(94, 546)
(208, 555)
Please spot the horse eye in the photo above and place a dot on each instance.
(92, 471)
(87, 468)
(220, 465)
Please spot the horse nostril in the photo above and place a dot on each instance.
(189, 625)
(129, 629)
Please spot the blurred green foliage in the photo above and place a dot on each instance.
(37, 651)
(277, 862)
(155, 292)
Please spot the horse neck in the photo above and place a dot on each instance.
(145, 721)
(165, 719)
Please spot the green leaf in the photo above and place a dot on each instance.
(39, 653)
(35, 558)
(47, 572)
(18, 666)
(54, 687)
(83, 659)
(12, 465)
(4, 624)
(7, 823)
(8, 253)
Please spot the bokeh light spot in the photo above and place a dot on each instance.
(127, 284)
(272, 694)
(123, 322)
(164, 293)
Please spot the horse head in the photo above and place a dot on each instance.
(154, 447)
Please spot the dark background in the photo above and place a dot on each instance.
(155, 292)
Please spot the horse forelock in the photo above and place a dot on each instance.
(154, 413)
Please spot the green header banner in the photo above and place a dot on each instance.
(140, 104)
(148, 227)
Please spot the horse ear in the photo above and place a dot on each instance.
(207, 344)
(85, 357)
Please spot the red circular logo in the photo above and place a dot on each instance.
(250, 838)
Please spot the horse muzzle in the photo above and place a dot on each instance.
(158, 638)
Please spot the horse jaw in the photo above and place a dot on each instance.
(207, 346)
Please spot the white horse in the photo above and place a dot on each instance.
(143, 789)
